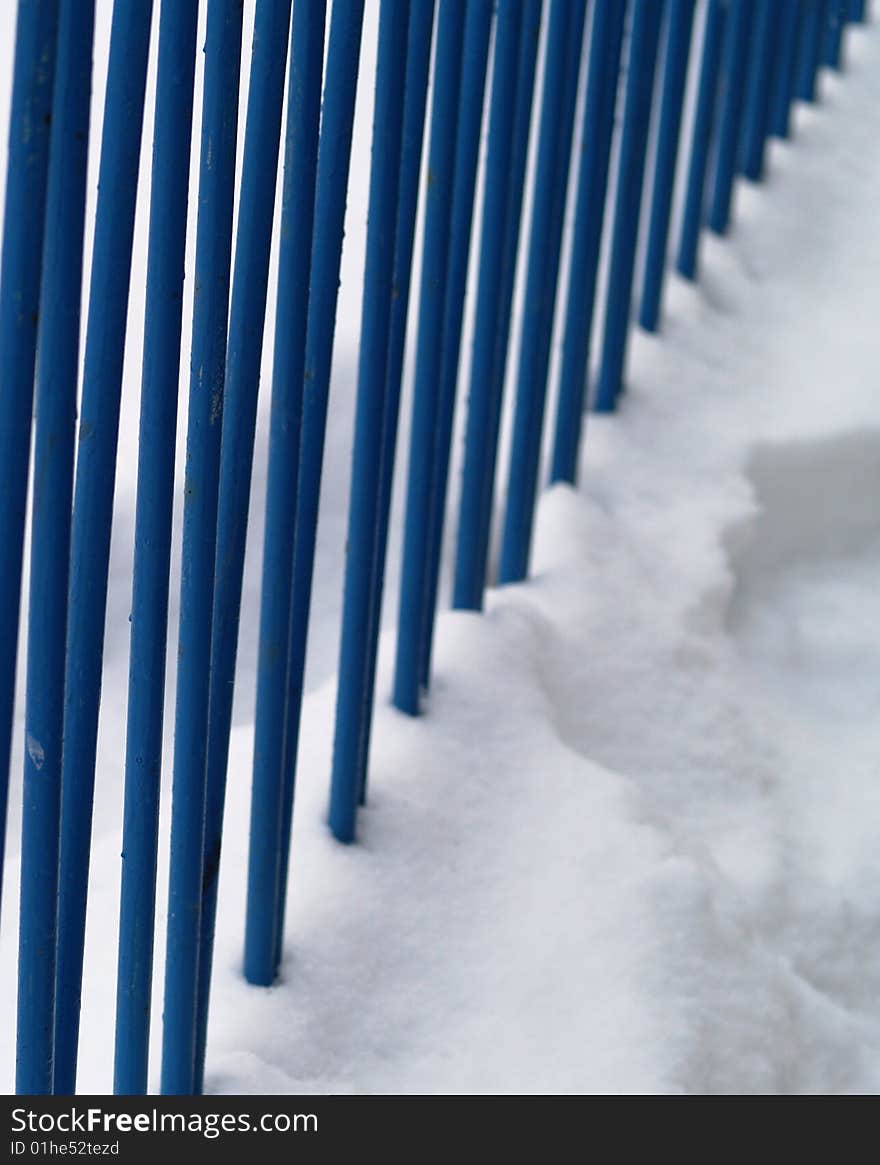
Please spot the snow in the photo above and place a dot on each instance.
(631, 845)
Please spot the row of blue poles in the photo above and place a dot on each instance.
(747, 50)
(757, 57)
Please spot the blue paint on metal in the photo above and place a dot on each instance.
(418, 56)
(736, 58)
(759, 87)
(790, 20)
(172, 137)
(294, 267)
(36, 36)
(93, 500)
(244, 351)
(592, 197)
(627, 210)
(334, 156)
(57, 373)
(678, 44)
(812, 43)
(857, 11)
(211, 306)
(470, 117)
(432, 298)
(837, 18)
(372, 391)
(562, 72)
(505, 184)
(704, 120)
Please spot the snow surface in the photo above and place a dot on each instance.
(632, 845)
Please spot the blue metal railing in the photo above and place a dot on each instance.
(740, 64)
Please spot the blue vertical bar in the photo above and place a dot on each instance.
(505, 183)
(432, 298)
(363, 512)
(678, 45)
(470, 117)
(418, 58)
(790, 19)
(758, 92)
(857, 11)
(833, 56)
(592, 196)
(246, 324)
(812, 41)
(334, 157)
(172, 137)
(36, 35)
(736, 56)
(644, 43)
(93, 499)
(294, 267)
(561, 73)
(704, 118)
(57, 370)
(211, 305)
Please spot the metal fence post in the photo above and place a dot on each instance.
(678, 44)
(36, 35)
(812, 43)
(213, 261)
(172, 137)
(759, 87)
(736, 57)
(592, 198)
(363, 511)
(244, 352)
(334, 156)
(704, 119)
(432, 299)
(418, 57)
(790, 21)
(93, 500)
(630, 178)
(505, 184)
(57, 375)
(291, 314)
(561, 73)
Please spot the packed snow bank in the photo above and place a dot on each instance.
(632, 845)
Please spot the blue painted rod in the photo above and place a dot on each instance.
(334, 157)
(790, 19)
(630, 178)
(812, 42)
(470, 115)
(678, 45)
(704, 119)
(418, 59)
(363, 512)
(294, 267)
(211, 305)
(833, 56)
(57, 372)
(172, 136)
(505, 183)
(93, 500)
(736, 57)
(562, 71)
(244, 351)
(759, 87)
(598, 127)
(432, 299)
(36, 35)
